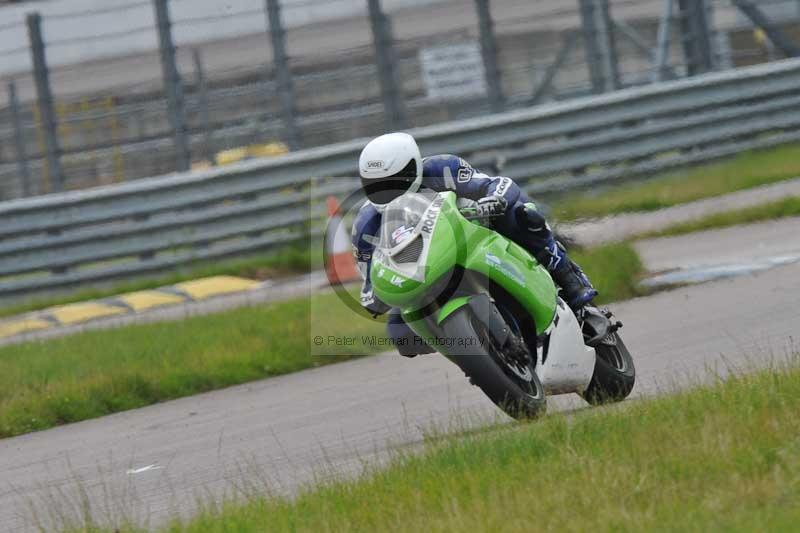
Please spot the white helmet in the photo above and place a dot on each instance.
(390, 166)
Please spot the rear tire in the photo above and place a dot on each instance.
(514, 389)
(614, 373)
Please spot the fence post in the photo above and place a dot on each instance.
(489, 53)
(772, 31)
(283, 75)
(387, 65)
(696, 36)
(600, 48)
(205, 115)
(568, 41)
(19, 141)
(44, 98)
(172, 84)
(661, 57)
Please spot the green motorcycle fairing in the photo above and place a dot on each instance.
(424, 238)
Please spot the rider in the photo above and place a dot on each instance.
(391, 165)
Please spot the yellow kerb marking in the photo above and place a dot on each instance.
(81, 312)
(142, 300)
(200, 289)
(24, 325)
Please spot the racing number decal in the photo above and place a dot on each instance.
(465, 171)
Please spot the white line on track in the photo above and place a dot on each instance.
(134, 471)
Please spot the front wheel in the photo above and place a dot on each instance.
(614, 373)
(512, 386)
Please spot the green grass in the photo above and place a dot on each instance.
(747, 170)
(614, 270)
(290, 260)
(724, 457)
(43, 384)
(788, 207)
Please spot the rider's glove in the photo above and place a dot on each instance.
(372, 304)
(491, 206)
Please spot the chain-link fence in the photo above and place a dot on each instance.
(104, 92)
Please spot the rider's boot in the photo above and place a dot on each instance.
(576, 289)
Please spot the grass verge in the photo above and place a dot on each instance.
(747, 170)
(788, 207)
(290, 260)
(91, 374)
(614, 270)
(43, 384)
(720, 458)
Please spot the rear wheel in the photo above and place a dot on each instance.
(614, 373)
(499, 371)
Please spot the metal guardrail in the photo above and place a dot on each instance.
(119, 231)
(126, 119)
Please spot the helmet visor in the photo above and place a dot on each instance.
(381, 191)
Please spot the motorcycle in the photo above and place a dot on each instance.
(487, 305)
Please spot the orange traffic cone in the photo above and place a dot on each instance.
(340, 266)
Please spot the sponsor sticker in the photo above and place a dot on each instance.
(401, 234)
(504, 268)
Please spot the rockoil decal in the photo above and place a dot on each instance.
(431, 215)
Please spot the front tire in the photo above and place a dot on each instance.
(516, 390)
(614, 373)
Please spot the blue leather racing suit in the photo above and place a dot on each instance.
(520, 223)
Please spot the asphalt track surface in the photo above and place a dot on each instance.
(736, 245)
(151, 463)
(628, 225)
